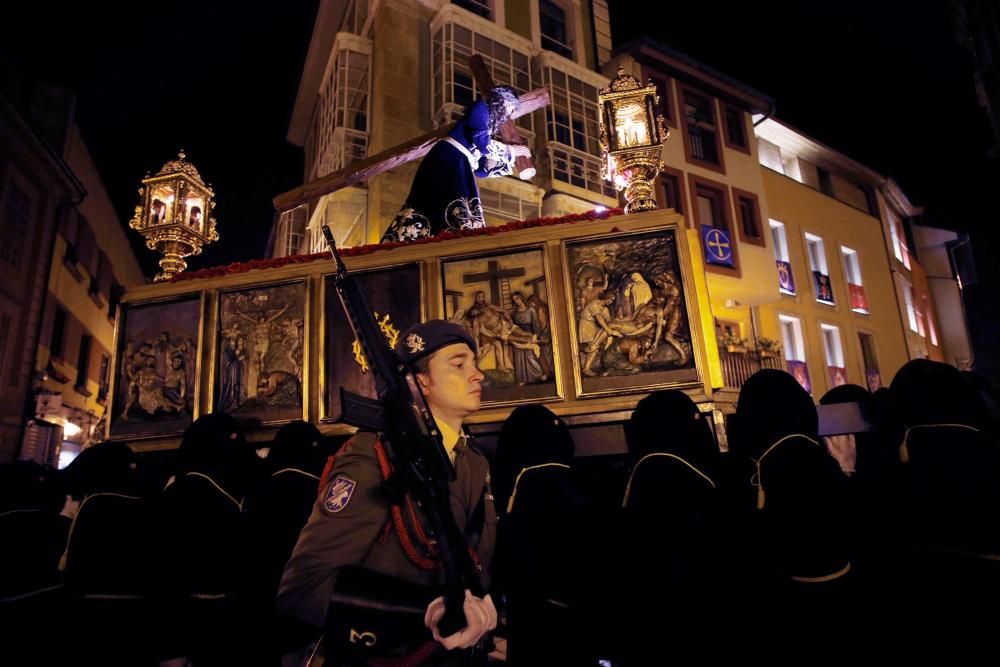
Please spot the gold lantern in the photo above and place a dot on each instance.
(632, 135)
(175, 214)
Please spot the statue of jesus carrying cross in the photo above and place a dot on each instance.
(445, 195)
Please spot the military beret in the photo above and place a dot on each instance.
(425, 338)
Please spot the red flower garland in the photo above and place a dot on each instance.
(242, 267)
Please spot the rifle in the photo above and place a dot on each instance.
(412, 441)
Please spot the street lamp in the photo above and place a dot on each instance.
(632, 135)
(175, 214)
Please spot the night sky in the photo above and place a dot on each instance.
(887, 83)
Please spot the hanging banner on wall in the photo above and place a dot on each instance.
(717, 246)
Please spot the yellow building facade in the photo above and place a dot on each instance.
(832, 336)
(91, 266)
(808, 254)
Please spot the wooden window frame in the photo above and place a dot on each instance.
(745, 148)
(722, 190)
(755, 204)
(678, 176)
(683, 93)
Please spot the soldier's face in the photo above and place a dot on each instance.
(452, 384)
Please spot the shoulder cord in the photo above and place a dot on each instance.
(628, 486)
(756, 478)
(904, 449)
(64, 559)
(397, 522)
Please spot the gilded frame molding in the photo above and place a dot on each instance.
(118, 353)
(213, 367)
(687, 288)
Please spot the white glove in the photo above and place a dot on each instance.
(70, 507)
(480, 618)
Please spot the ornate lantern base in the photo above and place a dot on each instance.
(174, 251)
(639, 169)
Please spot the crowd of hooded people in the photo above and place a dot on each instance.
(787, 545)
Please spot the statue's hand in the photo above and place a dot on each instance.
(518, 150)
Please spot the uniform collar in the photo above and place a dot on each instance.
(453, 440)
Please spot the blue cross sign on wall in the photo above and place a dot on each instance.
(718, 247)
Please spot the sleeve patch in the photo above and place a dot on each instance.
(339, 494)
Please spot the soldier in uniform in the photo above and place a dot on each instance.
(353, 524)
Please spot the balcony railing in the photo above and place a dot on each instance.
(575, 167)
(739, 364)
(346, 147)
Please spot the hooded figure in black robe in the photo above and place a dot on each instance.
(106, 561)
(204, 545)
(950, 467)
(444, 195)
(278, 511)
(801, 512)
(542, 556)
(670, 535)
(33, 532)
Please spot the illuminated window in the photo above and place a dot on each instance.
(834, 351)
(791, 338)
(769, 155)
(929, 316)
(852, 272)
(911, 309)
(896, 233)
(817, 263)
(780, 240)
(786, 280)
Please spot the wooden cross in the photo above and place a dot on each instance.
(536, 285)
(453, 296)
(388, 159)
(493, 274)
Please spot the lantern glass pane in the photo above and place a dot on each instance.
(631, 127)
